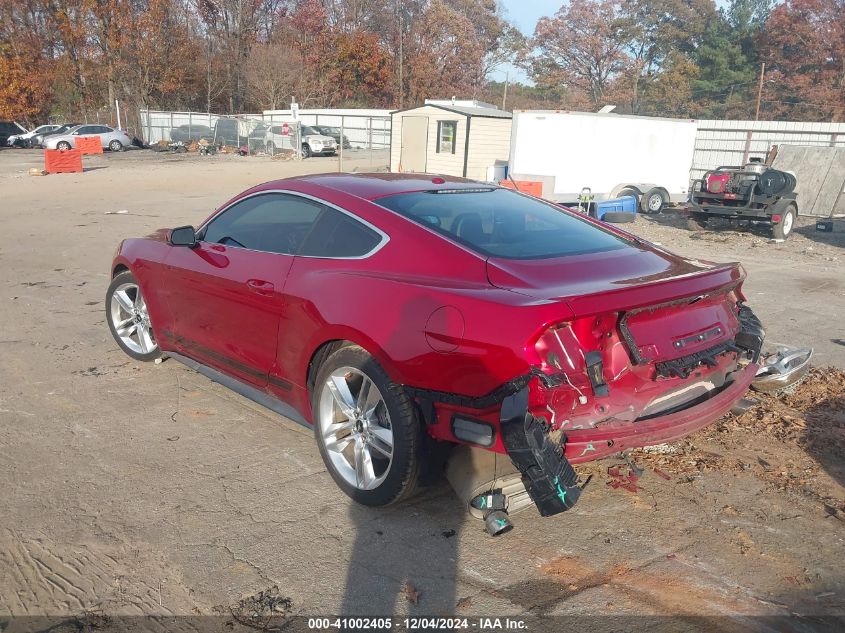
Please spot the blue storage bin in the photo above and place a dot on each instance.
(625, 204)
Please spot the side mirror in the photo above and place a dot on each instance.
(183, 236)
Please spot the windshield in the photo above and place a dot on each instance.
(309, 130)
(502, 223)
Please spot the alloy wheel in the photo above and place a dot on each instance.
(355, 427)
(131, 321)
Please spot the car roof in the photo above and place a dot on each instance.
(378, 185)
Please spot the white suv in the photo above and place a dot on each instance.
(315, 143)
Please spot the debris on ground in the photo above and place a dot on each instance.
(411, 593)
(807, 420)
(623, 476)
(259, 610)
(284, 154)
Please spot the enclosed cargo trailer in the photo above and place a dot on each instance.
(612, 155)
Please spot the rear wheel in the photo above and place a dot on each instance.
(653, 201)
(783, 229)
(128, 318)
(366, 428)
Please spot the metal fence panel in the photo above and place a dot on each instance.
(722, 142)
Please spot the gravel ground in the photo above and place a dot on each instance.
(147, 489)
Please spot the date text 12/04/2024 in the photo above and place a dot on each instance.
(417, 623)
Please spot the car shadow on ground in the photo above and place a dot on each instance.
(404, 558)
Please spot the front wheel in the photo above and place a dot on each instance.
(306, 150)
(116, 146)
(366, 428)
(63, 145)
(128, 318)
(783, 229)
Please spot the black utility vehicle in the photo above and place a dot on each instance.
(751, 193)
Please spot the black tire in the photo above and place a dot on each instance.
(697, 222)
(402, 476)
(115, 146)
(63, 145)
(786, 227)
(306, 150)
(653, 201)
(619, 217)
(122, 279)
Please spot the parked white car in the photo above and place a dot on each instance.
(24, 138)
(315, 143)
(112, 139)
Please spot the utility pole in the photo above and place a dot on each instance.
(760, 91)
(401, 57)
(505, 96)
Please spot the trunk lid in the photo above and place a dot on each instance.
(668, 306)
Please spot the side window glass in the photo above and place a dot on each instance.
(339, 235)
(274, 223)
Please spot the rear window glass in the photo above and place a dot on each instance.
(502, 223)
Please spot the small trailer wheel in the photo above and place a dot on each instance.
(783, 229)
(653, 201)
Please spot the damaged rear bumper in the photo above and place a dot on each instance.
(584, 445)
(546, 467)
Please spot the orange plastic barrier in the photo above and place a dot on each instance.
(89, 145)
(62, 162)
(531, 187)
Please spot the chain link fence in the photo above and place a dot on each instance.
(361, 138)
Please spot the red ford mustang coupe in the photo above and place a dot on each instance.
(394, 312)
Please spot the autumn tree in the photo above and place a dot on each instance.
(803, 45)
(582, 48)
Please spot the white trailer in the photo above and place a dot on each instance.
(613, 155)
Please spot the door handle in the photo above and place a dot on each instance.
(261, 287)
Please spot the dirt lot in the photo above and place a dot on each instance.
(137, 489)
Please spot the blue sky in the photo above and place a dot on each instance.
(525, 13)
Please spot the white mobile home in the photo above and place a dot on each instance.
(454, 140)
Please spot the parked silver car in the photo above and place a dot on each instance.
(115, 140)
